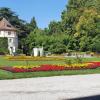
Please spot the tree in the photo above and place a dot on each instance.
(12, 18)
(81, 19)
(32, 25)
(35, 39)
(3, 45)
(96, 44)
(55, 28)
(88, 23)
(6, 13)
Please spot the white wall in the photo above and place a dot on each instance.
(12, 43)
(41, 51)
(7, 34)
(38, 52)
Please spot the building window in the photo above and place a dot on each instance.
(8, 25)
(10, 40)
(9, 33)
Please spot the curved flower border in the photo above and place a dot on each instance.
(48, 67)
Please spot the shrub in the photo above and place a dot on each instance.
(68, 61)
(19, 51)
(79, 59)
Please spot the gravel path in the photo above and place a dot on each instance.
(50, 88)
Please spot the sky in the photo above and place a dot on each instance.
(44, 11)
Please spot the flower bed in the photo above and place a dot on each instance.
(30, 58)
(18, 69)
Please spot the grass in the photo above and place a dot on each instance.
(9, 75)
(88, 59)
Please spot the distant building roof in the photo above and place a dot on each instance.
(5, 25)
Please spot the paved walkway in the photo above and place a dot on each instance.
(50, 88)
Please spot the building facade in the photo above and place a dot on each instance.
(9, 32)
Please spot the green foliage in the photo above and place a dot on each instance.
(57, 48)
(55, 28)
(81, 20)
(12, 18)
(96, 44)
(79, 59)
(51, 43)
(69, 62)
(3, 45)
(19, 51)
(32, 25)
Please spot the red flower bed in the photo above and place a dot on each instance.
(91, 65)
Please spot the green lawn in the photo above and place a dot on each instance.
(9, 75)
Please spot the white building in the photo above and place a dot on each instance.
(8, 31)
(38, 52)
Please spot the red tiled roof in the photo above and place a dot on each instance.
(5, 25)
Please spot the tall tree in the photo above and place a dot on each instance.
(12, 18)
(32, 25)
(81, 19)
(55, 28)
